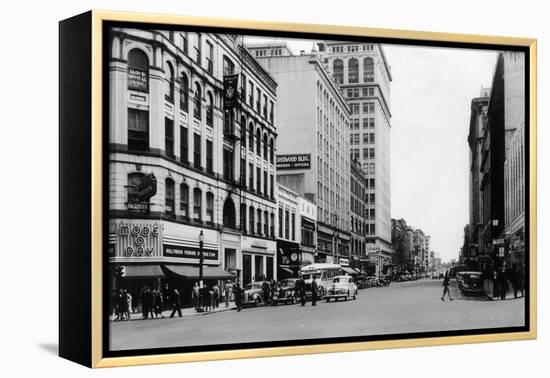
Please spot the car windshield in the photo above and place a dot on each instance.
(339, 280)
(288, 282)
(252, 286)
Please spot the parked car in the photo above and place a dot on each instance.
(361, 281)
(342, 287)
(253, 294)
(285, 292)
(470, 282)
(384, 280)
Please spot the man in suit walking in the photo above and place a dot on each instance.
(176, 303)
(314, 290)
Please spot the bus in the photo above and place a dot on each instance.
(324, 273)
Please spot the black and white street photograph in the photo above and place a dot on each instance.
(263, 188)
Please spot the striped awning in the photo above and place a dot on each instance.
(192, 272)
(143, 271)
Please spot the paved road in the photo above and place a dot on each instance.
(400, 308)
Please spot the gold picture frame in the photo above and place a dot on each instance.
(93, 23)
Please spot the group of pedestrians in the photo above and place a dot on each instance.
(502, 277)
(122, 304)
(151, 303)
(206, 298)
(302, 290)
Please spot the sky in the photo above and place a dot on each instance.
(430, 98)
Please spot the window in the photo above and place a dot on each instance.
(242, 217)
(365, 153)
(138, 130)
(353, 70)
(228, 66)
(209, 109)
(271, 112)
(209, 157)
(265, 146)
(184, 42)
(169, 202)
(258, 100)
(365, 138)
(287, 215)
(271, 186)
(265, 183)
(169, 82)
(197, 108)
(251, 219)
(134, 203)
(265, 107)
(371, 183)
(197, 204)
(280, 222)
(372, 198)
(243, 132)
(251, 96)
(197, 151)
(210, 208)
(169, 137)
(259, 221)
(293, 226)
(184, 200)
(354, 108)
(138, 70)
(184, 93)
(198, 49)
(372, 229)
(184, 145)
(368, 70)
(272, 225)
(266, 223)
(355, 124)
(338, 71)
(228, 121)
(251, 136)
(371, 153)
(210, 59)
(371, 92)
(243, 87)
(242, 179)
(228, 165)
(371, 213)
(271, 151)
(251, 177)
(258, 142)
(259, 180)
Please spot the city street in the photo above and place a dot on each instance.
(400, 308)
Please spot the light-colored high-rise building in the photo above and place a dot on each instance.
(313, 147)
(363, 74)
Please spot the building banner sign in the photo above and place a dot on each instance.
(137, 79)
(147, 187)
(294, 161)
(190, 253)
(230, 91)
(138, 240)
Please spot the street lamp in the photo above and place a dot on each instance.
(201, 255)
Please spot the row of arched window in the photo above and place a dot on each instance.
(254, 221)
(353, 70)
(265, 146)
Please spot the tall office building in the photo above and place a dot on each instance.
(364, 76)
(313, 147)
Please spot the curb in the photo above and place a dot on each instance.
(175, 316)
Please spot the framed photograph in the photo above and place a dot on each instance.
(234, 189)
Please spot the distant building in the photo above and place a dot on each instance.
(364, 76)
(288, 233)
(478, 118)
(358, 215)
(269, 49)
(313, 147)
(402, 242)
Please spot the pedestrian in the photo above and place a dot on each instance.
(518, 273)
(128, 304)
(503, 283)
(266, 289)
(211, 299)
(228, 289)
(195, 294)
(216, 289)
(166, 297)
(302, 290)
(147, 303)
(314, 290)
(238, 292)
(157, 303)
(176, 303)
(121, 303)
(446, 290)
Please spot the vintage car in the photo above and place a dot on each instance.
(285, 292)
(253, 294)
(342, 287)
(470, 282)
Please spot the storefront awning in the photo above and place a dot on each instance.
(349, 270)
(143, 271)
(192, 272)
(287, 270)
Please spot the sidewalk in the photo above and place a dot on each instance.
(488, 290)
(188, 311)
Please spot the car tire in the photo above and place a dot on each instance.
(257, 301)
(347, 296)
(355, 295)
